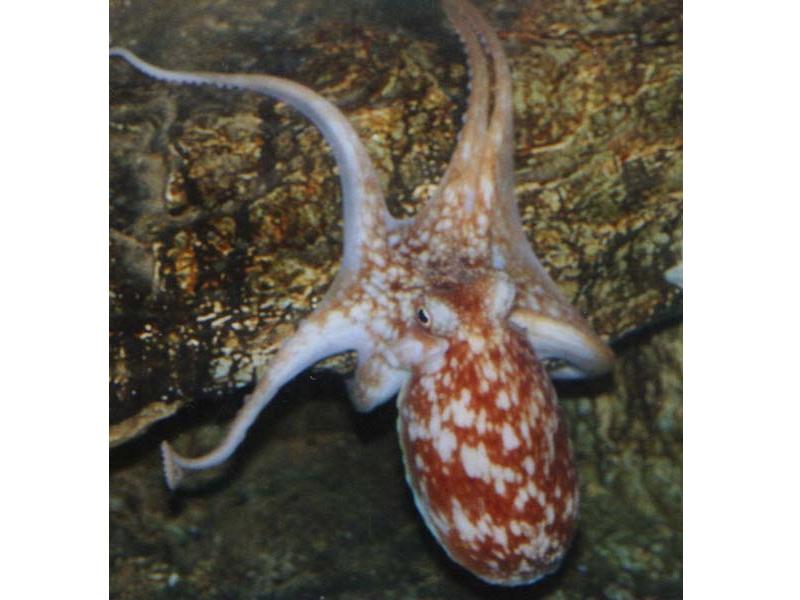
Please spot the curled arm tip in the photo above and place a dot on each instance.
(173, 473)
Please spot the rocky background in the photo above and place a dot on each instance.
(225, 230)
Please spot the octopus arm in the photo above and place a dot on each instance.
(471, 137)
(381, 375)
(322, 334)
(376, 382)
(498, 148)
(366, 218)
(586, 353)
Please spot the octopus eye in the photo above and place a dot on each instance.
(423, 317)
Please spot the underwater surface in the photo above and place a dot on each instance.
(228, 205)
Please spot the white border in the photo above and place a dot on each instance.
(742, 343)
(54, 249)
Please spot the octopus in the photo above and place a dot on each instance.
(451, 313)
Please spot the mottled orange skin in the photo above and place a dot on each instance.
(518, 507)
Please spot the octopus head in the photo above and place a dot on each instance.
(486, 453)
(454, 309)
